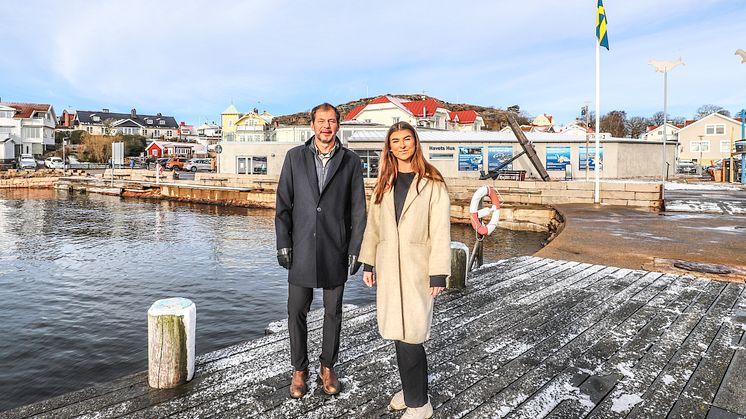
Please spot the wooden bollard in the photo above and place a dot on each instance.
(459, 258)
(171, 327)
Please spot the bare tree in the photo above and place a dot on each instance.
(614, 123)
(705, 110)
(636, 126)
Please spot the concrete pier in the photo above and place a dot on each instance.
(530, 337)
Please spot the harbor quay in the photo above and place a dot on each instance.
(528, 337)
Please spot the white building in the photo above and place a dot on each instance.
(30, 126)
(429, 113)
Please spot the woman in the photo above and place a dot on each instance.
(407, 239)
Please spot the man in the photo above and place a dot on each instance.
(319, 222)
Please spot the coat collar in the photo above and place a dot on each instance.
(333, 166)
(412, 193)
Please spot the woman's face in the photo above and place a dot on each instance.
(402, 144)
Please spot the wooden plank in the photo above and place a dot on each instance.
(582, 384)
(566, 353)
(487, 377)
(637, 373)
(731, 396)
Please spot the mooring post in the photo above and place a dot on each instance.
(459, 257)
(171, 327)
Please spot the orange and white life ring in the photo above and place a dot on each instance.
(477, 212)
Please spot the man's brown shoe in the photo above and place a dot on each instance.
(298, 386)
(328, 378)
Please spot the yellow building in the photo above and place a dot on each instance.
(246, 127)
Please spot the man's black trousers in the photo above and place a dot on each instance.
(299, 302)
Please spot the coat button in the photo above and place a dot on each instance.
(318, 209)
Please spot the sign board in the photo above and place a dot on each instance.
(470, 158)
(591, 158)
(558, 157)
(117, 153)
(497, 155)
(218, 148)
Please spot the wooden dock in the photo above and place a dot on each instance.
(529, 338)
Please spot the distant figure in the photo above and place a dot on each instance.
(319, 222)
(408, 241)
(132, 164)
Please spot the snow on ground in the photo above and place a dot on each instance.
(625, 402)
(673, 186)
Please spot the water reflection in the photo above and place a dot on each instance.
(78, 273)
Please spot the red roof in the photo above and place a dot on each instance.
(380, 99)
(419, 107)
(464, 117)
(26, 110)
(353, 113)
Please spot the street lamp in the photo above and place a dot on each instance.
(664, 67)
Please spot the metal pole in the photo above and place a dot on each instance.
(64, 173)
(597, 190)
(665, 120)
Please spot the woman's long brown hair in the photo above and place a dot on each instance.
(389, 165)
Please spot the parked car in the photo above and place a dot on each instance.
(162, 161)
(198, 164)
(53, 163)
(27, 162)
(686, 167)
(176, 163)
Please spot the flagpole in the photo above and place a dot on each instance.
(598, 121)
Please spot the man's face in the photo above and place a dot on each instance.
(325, 125)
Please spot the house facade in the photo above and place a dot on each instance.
(428, 113)
(29, 125)
(708, 139)
(655, 133)
(245, 127)
(158, 149)
(110, 123)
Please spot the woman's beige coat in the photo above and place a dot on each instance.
(406, 255)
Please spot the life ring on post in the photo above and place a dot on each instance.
(477, 212)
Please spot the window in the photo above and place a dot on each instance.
(168, 133)
(89, 129)
(725, 146)
(441, 156)
(157, 133)
(396, 119)
(144, 132)
(251, 165)
(369, 159)
(96, 118)
(715, 129)
(7, 114)
(149, 122)
(31, 132)
(699, 146)
(660, 132)
(161, 122)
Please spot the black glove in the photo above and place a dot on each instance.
(353, 264)
(285, 257)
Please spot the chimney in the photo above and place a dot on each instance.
(133, 113)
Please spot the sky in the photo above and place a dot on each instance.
(191, 59)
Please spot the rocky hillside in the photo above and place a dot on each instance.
(494, 119)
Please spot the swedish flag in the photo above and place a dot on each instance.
(603, 39)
